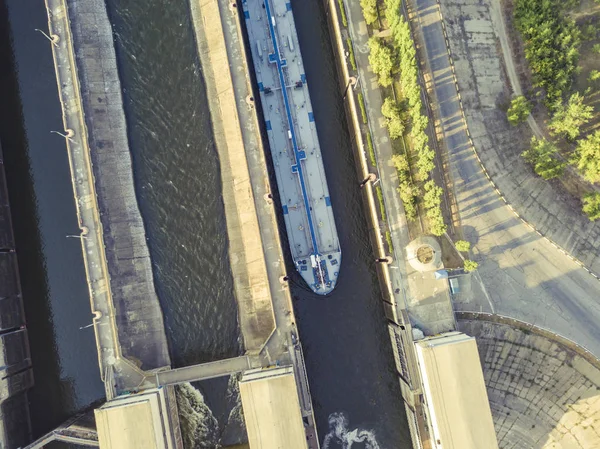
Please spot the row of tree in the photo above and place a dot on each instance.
(398, 59)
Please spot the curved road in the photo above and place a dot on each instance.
(520, 274)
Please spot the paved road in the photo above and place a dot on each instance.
(521, 275)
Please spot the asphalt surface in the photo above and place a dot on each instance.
(520, 274)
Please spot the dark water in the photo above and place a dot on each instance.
(51, 267)
(348, 354)
(177, 176)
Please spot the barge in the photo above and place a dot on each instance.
(293, 141)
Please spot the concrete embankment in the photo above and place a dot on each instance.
(128, 320)
(139, 317)
(265, 307)
(242, 205)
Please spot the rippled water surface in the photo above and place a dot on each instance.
(177, 176)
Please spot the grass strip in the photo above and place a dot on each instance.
(381, 203)
(388, 239)
(351, 53)
(371, 150)
(361, 104)
(343, 13)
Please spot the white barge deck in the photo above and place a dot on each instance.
(293, 141)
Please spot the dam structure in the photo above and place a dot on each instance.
(141, 410)
(293, 140)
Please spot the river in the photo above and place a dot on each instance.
(349, 361)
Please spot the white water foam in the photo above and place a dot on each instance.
(199, 427)
(340, 435)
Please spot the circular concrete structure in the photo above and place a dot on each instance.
(424, 254)
(544, 390)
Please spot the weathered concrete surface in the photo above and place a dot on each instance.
(138, 314)
(245, 244)
(544, 391)
(473, 29)
(520, 274)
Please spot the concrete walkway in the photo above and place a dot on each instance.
(521, 275)
(426, 298)
(205, 371)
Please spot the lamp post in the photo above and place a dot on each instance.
(66, 136)
(53, 39)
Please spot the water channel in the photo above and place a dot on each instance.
(55, 293)
(348, 355)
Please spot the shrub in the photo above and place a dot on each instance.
(594, 76)
(379, 194)
(518, 111)
(470, 265)
(596, 48)
(462, 245)
(543, 156)
(388, 239)
(591, 205)
(381, 61)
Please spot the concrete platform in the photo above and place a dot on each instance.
(544, 390)
(272, 410)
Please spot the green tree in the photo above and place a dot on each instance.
(408, 194)
(436, 221)
(394, 122)
(369, 9)
(433, 195)
(462, 245)
(594, 76)
(519, 110)
(552, 42)
(587, 157)
(596, 48)
(470, 265)
(543, 156)
(568, 119)
(591, 205)
(381, 61)
(401, 163)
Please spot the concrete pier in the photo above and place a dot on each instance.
(128, 320)
(251, 283)
(266, 314)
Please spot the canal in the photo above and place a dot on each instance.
(176, 170)
(55, 293)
